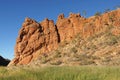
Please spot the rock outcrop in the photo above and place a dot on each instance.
(35, 39)
(4, 62)
(41, 38)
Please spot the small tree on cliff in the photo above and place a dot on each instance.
(97, 14)
(107, 10)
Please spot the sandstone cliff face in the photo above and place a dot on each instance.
(41, 38)
(69, 27)
(33, 37)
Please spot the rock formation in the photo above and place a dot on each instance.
(4, 62)
(41, 38)
(35, 39)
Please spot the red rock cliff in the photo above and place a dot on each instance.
(40, 38)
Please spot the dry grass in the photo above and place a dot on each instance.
(61, 73)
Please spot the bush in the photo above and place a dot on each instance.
(57, 54)
(74, 50)
(97, 13)
(112, 40)
(107, 10)
(58, 62)
(44, 60)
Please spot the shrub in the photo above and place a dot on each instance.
(43, 60)
(58, 62)
(57, 54)
(112, 40)
(97, 13)
(74, 50)
(107, 10)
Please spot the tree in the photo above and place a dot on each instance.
(107, 10)
(97, 13)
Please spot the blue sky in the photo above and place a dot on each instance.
(13, 13)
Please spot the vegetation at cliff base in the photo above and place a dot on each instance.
(61, 73)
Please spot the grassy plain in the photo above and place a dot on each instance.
(61, 73)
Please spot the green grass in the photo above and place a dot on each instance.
(61, 73)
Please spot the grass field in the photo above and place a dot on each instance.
(61, 73)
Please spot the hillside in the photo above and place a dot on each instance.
(74, 40)
(4, 62)
(99, 49)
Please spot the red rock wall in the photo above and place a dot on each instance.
(44, 37)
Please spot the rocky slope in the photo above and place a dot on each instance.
(41, 39)
(4, 62)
